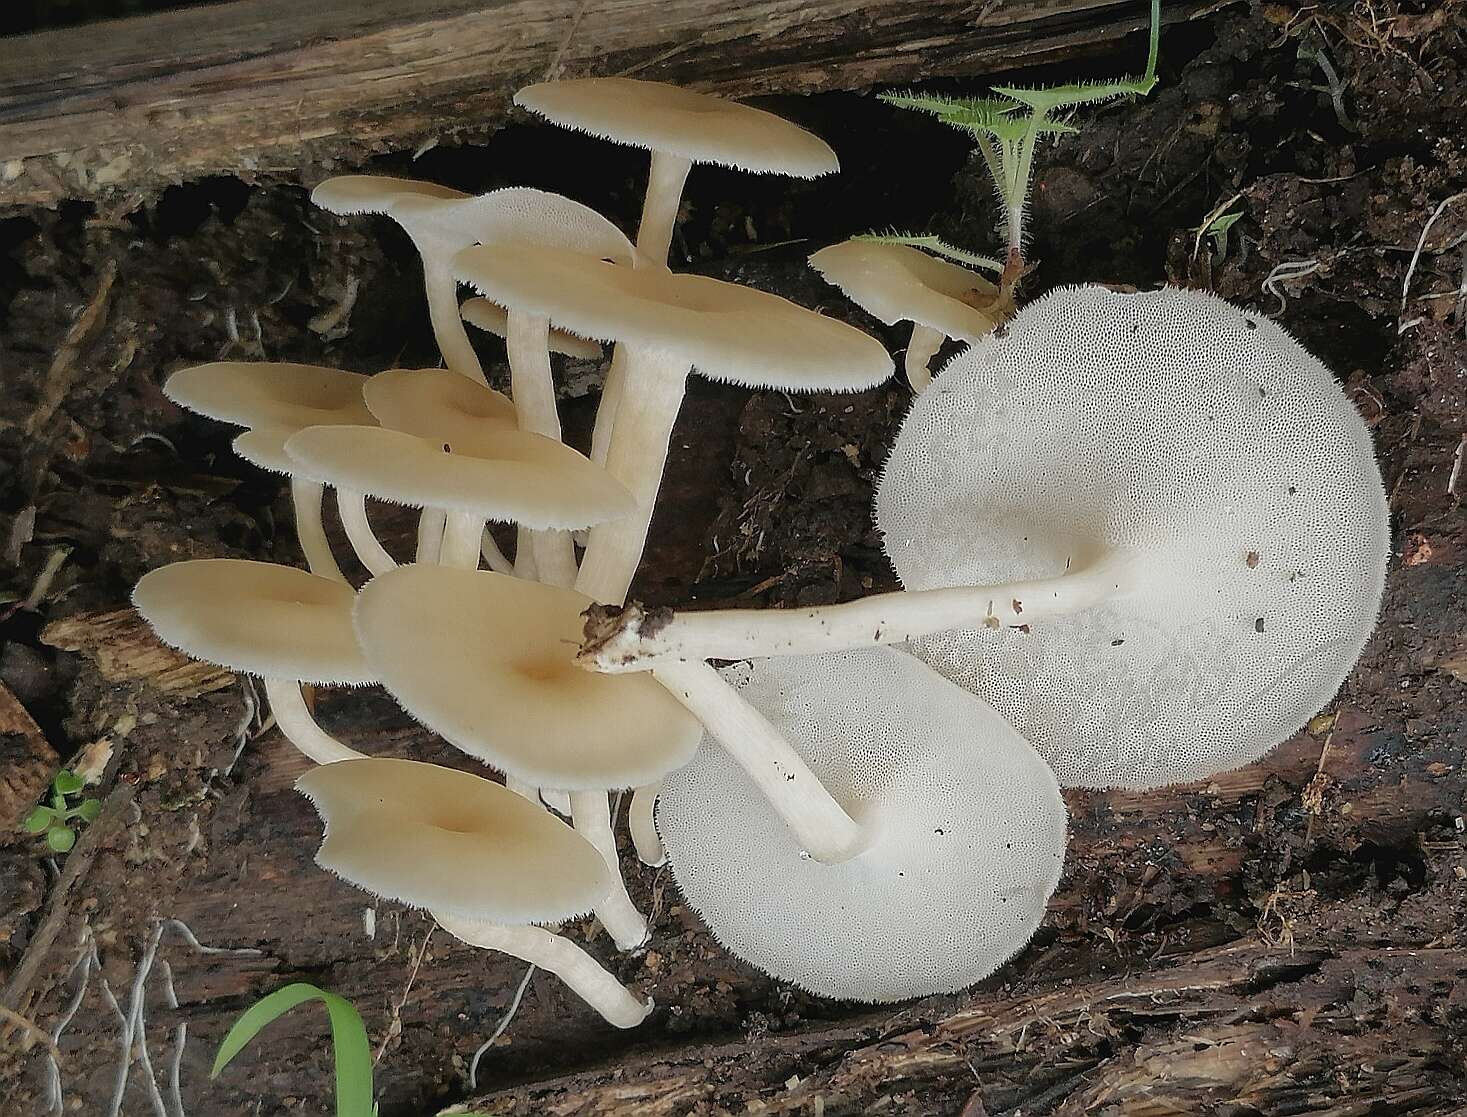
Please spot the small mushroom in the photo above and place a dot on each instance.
(898, 283)
(963, 821)
(282, 624)
(679, 127)
(486, 662)
(281, 398)
(408, 831)
(671, 325)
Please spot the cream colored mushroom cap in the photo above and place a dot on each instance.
(437, 404)
(456, 843)
(696, 126)
(265, 394)
(256, 618)
(494, 319)
(509, 476)
(898, 283)
(486, 661)
(264, 448)
(725, 331)
(352, 194)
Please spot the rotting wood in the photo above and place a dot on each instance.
(261, 87)
(27, 761)
(125, 650)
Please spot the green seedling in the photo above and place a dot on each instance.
(1008, 127)
(353, 1054)
(1218, 228)
(934, 245)
(56, 818)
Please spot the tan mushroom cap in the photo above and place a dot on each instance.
(455, 843)
(696, 126)
(486, 661)
(494, 319)
(265, 394)
(264, 448)
(725, 331)
(256, 618)
(438, 404)
(502, 475)
(350, 194)
(898, 283)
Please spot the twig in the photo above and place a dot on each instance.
(394, 1025)
(66, 366)
(514, 1007)
(31, 1029)
(1457, 466)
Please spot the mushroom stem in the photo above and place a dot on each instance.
(307, 497)
(463, 537)
(522, 789)
(580, 972)
(558, 801)
(642, 824)
(821, 826)
(611, 389)
(352, 505)
(493, 556)
(533, 389)
(591, 816)
(430, 535)
(653, 393)
(448, 325)
(524, 556)
(300, 728)
(920, 350)
(665, 179)
(619, 642)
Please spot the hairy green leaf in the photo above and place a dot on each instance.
(935, 245)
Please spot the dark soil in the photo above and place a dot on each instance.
(1283, 939)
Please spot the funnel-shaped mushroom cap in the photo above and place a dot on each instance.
(509, 476)
(263, 394)
(967, 832)
(494, 319)
(257, 618)
(726, 332)
(456, 843)
(898, 283)
(1199, 438)
(696, 126)
(352, 194)
(485, 660)
(437, 404)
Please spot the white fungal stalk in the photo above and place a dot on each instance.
(920, 350)
(288, 705)
(352, 506)
(533, 390)
(430, 534)
(642, 822)
(307, 497)
(463, 539)
(665, 179)
(560, 956)
(626, 641)
(591, 816)
(448, 325)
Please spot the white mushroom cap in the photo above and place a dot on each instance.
(264, 448)
(438, 404)
(1197, 437)
(494, 319)
(695, 126)
(265, 394)
(898, 283)
(725, 331)
(257, 618)
(967, 832)
(502, 475)
(437, 838)
(486, 661)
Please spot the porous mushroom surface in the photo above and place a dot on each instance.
(277, 622)
(679, 127)
(899, 283)
(406, 831)
(967, 832)
(1197, 438)
(494, 319)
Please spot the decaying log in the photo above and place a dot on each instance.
(124, 649)
(262, 86)
(27, 761)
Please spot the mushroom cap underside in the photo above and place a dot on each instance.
(899, 283)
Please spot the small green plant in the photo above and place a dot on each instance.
(1218, 228)
(354, 1092)
(1008, 127)
(57, 819)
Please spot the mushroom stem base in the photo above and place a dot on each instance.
(922, 347)
(643, 825)
(591, 816)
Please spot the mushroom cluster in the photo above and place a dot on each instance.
(1143, 538)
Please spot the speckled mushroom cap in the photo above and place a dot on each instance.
(257, 618)
(266, 394)
(438, 404)
(967, 832)
(1199, 438)
(696, 126)
(725, 331)
(486, 661)
(455, 843)
(495, 320)
(898, 283)
(508, 476)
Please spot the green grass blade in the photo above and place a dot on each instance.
(935, 245)
(348, 1040)
(1050, 99)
